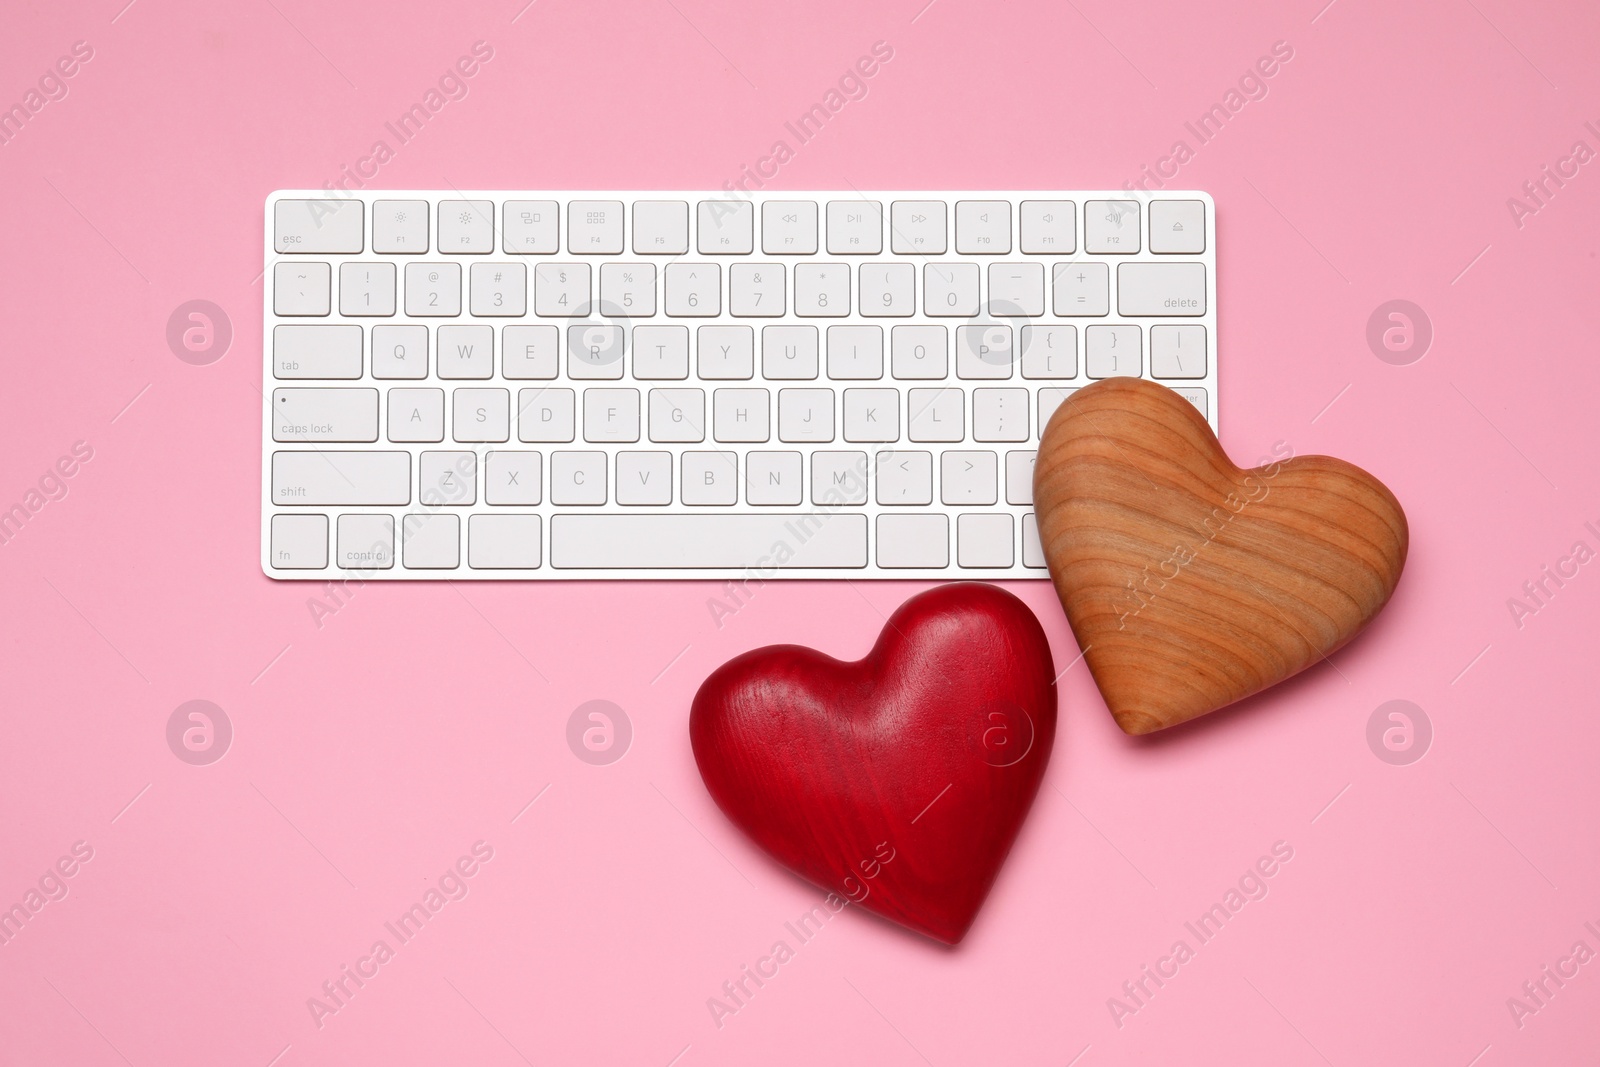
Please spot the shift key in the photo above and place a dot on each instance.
(324, 414)
(360, 479)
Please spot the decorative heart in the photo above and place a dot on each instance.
(898, 781)
(1189, 582)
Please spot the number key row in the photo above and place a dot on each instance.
(755, 290)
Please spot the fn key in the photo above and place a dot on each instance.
(299, 542)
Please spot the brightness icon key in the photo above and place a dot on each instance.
(466, 226)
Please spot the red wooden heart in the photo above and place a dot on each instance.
(898, 781)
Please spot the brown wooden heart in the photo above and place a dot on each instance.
(1189, 582)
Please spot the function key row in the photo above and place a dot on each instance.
(728, 227)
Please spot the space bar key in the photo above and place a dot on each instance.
(666, 542)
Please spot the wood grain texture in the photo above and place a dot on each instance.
(897, 782)
(1189, 582)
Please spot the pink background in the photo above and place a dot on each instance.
(370, 753)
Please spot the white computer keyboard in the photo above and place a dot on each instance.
(700, 385)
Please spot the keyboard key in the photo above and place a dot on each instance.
(399, 352)
(416, 415)
(1032, 547)
(595, 352)
(1016, 289)
(1195, 396)
(320, 351)
(936, 414)
(660, 228)
(789, 227)
(1019, 477)
(838, 478)
(448, 479)
(920, 541)
(805, 415)
(481, 415)
(789, 353)
(358, 479)
(561, 290)
(677, 415)
(431, 541)
(983, 227)
(950, 290)
(1178, 351)
(1112, 351)
(855, 352)
(741, 415)
(984, 352)
(855, 227)
(399, 227)
(905, 477)
(433, 289)
(726, 227)
(920, 353)
(511, 479)
(822, 290)
(1049, 400)
(578, 478)
(317, 227)
(1049, 351)
(366, 289)
(300, 289)
(465, 352)
(1000, 414)
(710, 478)
(687, 542)
(299, 542)
(628, 290)
(324, 414)
(545, 415)
(530, 351)
(594, 227)
(661, 353)
(693, 290)
(985, 541)
(917, 227)
(888, 289)
(1082, 289)
(644, 478)
(967, 478)
(503, 542)
(1111, 226)
(756, 289)
(725, 353)
(499, 289)
(872, 415)
(1161, 288)
(772, 479)
(531, 227)
(365, 542)
(1177, 227)
(1049, 227)
(610, 416)
(466, 227)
